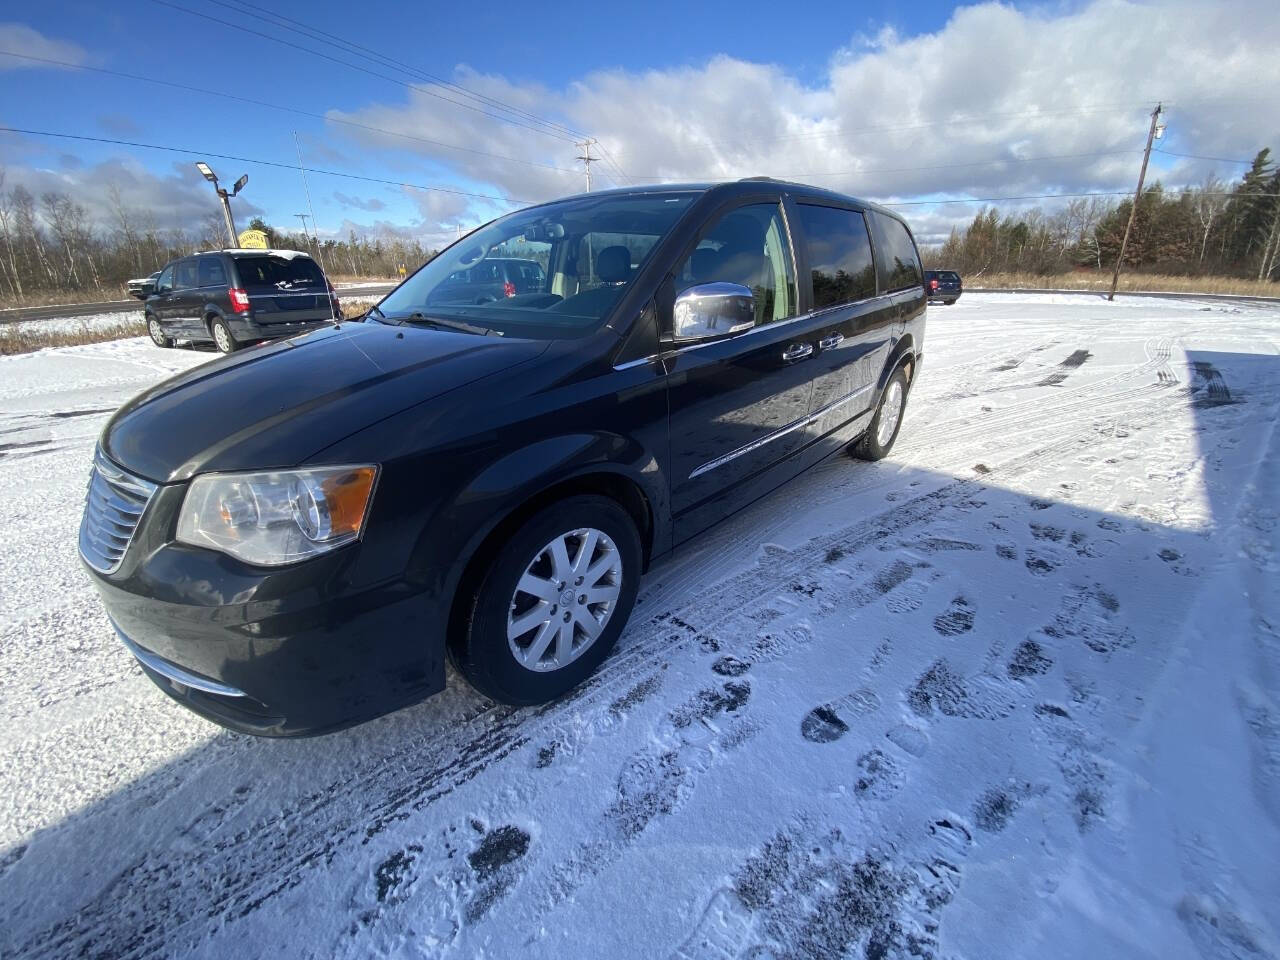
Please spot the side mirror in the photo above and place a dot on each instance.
(713, 310)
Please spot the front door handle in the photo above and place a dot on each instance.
(832, 341)
(797, 351)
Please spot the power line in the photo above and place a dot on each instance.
(264, 163)
(614, 163)
(373, 73)
(938, 166)
(294, 110)
(346, 45)
(1193, 156)
(1039, 114)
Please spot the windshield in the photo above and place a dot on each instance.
(551, 271)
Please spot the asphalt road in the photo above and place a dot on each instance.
(18, 314)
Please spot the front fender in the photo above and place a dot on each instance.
(506, 484)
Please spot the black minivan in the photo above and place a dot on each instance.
(234, 297)
(294, 539)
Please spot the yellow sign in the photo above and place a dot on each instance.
(253, 240)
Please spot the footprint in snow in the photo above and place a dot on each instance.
(827, 723)
(957, 619)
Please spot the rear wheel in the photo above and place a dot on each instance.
(222, 338)
(883, 429)
(156, 332)
(552, 603)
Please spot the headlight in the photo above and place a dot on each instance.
(279, 516)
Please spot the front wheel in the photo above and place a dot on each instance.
(883, 429)
(222, 338)
(156, 332)
(552, 603)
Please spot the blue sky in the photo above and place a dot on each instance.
(857, 98)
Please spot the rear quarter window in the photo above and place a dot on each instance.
(898, 264)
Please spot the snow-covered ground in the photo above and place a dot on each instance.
(92, 322)
(1014, 692)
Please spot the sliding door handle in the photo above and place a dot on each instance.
(832, 341)
(797, 351)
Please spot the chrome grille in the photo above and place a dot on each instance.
(112, 508)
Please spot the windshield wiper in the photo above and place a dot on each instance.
(420, 319)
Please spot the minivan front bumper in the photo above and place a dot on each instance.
(275, 653)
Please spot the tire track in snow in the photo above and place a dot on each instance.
(171, 899)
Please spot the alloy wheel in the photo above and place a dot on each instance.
(564, 599)
(890, 413)
(222, 338)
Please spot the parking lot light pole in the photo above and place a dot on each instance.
(225, 197)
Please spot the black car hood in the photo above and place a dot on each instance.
(275, 406)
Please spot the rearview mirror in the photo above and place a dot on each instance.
(713, 310)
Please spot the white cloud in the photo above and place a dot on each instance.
(180, 199)
(896, 117)
(20, 38)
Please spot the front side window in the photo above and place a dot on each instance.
(555, 270)
(212, 273)
(187, 275)
(747, 246)
(164, 282)
(839, 249)
(899, 264)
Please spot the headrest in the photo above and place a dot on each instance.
(613, 264)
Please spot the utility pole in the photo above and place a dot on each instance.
(1137, 195)
(586, 158)
(303, 218)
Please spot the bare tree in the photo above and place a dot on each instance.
(1209, 202)
(124, 224)
(6, 228)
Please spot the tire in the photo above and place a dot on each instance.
(497, 646)
(156, 333)
(222, 336)
(877, 442)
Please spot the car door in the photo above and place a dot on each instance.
(855, 326)
(158, 304)
(185, 301)
(739, 405)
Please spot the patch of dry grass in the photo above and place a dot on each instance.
(28, 337)
(355, 306)
(1129, 283)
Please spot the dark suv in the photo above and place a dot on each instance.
(943, 285)
(490, 279)
(234, 297)
(294, 539)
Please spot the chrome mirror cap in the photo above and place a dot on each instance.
(713, 310)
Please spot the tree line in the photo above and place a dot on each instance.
(50, 246)
(1213, 229)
